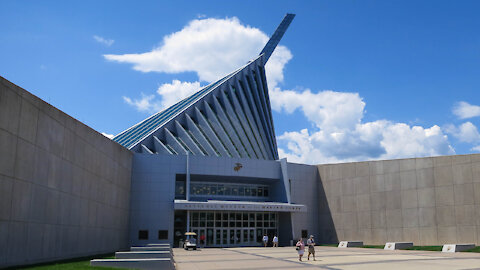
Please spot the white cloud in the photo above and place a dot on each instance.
(171, 93)
(210, 47)
(464, 110)
(146, 103)
(327, 109)
(104, 41)
(475, 149)
(110, 136)
(168, 94)
(369, 141)
(340, 135)
(466, 132)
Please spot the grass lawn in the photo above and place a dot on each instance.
(73, 264)
(374, 246)
(427, 248)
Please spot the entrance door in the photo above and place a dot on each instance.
(248, 237)
(209, 237)
(225, 237)
(232, 236)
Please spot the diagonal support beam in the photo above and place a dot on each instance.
(277, 36)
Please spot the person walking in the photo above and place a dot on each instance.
(202, 240)
(300, 248)
(265, 240)
(275, 241)
(311, 247)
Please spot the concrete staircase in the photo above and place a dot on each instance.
(153, 256)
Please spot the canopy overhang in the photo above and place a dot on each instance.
(214, 205)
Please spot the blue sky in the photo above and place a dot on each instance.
(353, 80)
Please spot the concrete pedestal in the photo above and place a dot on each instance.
(398, 245)
(345, 244)
(457, 247)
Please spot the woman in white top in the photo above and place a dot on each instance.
(300, 248)
(265, 240)
(275, 241)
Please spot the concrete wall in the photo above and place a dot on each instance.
(430, 201)
(304, 190)
(64, 188)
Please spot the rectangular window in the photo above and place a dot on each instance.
(163, 235)
(180, 190)
(143, 235)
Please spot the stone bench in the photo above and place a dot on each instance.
(345, 244)
(457, 247)
(398, 245)
(147, 264)
(143, 254)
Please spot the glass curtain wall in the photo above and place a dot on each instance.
(233, 228)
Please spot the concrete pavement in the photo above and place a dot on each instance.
(327, 258)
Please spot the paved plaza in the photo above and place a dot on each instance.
(327, 258)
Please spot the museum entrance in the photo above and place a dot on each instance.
(227, 229)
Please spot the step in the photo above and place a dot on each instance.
(457, 247)
(150, 249)
(143, 254)
(159, 245)
(147, 264)
(398, 245)
(345, 244)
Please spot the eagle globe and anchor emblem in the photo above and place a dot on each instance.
(237, 167)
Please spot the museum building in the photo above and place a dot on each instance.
(209, 164)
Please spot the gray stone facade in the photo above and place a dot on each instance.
(428, 201)
(64, 188)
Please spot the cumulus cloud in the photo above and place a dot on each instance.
(209, 47)
(368, 141)
(475, 149)
(340, 135)
(146, 103)
(168, 94)
(171, 93)
(104, 41)
(464, 110)
(327, 109)
(466, 132)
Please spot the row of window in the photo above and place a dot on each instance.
(240, 219)
(143, 235)
(213, 189)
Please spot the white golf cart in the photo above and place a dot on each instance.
(190, 241)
